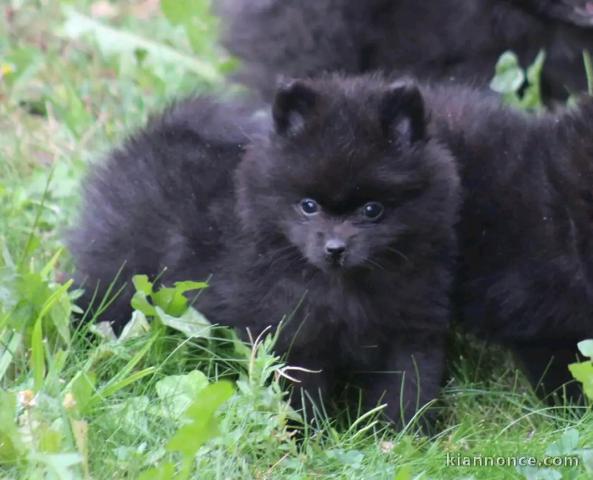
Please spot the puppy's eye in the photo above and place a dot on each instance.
(372, 210)
(309, 206)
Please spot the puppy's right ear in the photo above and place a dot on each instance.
(294, 101)
(402, 113)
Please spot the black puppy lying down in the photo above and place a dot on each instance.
(340, 218)
(336, 216)
(445, 40)
(526, 229)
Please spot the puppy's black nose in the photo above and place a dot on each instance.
(335, 247)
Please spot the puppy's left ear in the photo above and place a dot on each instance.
(402, 113)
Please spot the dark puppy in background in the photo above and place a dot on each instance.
(338, 219)
(575, 12)
(526, 229)
(445, 40)
(162, 203)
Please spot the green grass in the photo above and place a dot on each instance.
(77, 403)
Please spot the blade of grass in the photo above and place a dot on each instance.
(588, 70)
(114, 387)
(115, 40)
(54, 298)
(122, 379)
(31, 236)
(37, 348)
(37, 354)
(8, 352)
(51, 264)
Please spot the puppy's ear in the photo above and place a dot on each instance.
(402, 113)
(294, 101)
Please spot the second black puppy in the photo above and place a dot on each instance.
(444, 40)
(526, 230)
(338, 219)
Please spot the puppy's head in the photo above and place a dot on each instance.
(346, 173)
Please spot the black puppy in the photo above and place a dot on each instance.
(445, 40)
(338, 220)
(526, 230)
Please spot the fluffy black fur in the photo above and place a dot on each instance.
(161, 203)
(526, 230)
(450, 40)
(575, 12)
(364, 298)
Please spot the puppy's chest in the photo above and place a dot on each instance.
(349, 315)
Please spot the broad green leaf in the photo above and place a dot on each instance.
(583, 372)
(404, 473)
(60, 465)
(142, 284)
(192, 323)
(586, 348)
(188, 286)
(170, 301)
(166, 471)
(135, 412)
(196, 19)
(534, 473)
(48, 439)
(519, 88)
(203, 425)
(103, 330)
(82, 388)
(177, 392)
(509, 75)
(11, 446)
(10, 449)
(60, 313)
(351, 458)
(136, 327)
(587, 456)
(566, 445)
(140, 302)
(179, 12)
